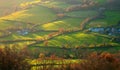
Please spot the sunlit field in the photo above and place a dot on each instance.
(77, 39)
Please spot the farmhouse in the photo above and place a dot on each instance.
(23, 32)
(107, 30)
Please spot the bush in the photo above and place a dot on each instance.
(13, 59)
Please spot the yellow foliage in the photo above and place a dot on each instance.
(24, 5)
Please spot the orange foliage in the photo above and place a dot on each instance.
(12, 59)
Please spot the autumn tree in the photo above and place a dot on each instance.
(46, 43)
(12, 59)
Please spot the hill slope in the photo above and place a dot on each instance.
(43, 18)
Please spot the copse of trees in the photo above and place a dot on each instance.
(13, 59)
(113, 4)
(85, 4)
(101, 61)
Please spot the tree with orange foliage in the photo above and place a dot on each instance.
(60, 15)
(61, 30)
(46, 43)
(103, 61)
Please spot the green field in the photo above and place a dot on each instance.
(111, 18)
(77, 39)
(17, 36)
(37, 14)
(6, 24)
(82, 14)
(56, 4)
(67, 23)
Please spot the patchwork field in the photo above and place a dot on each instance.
(42, 16)
(65, 21)
(59, 34)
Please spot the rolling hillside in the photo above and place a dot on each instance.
(68, 22)
(8, 6)
(37, 14)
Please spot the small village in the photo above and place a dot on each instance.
(108, 30)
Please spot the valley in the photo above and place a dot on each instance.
(69, 29)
